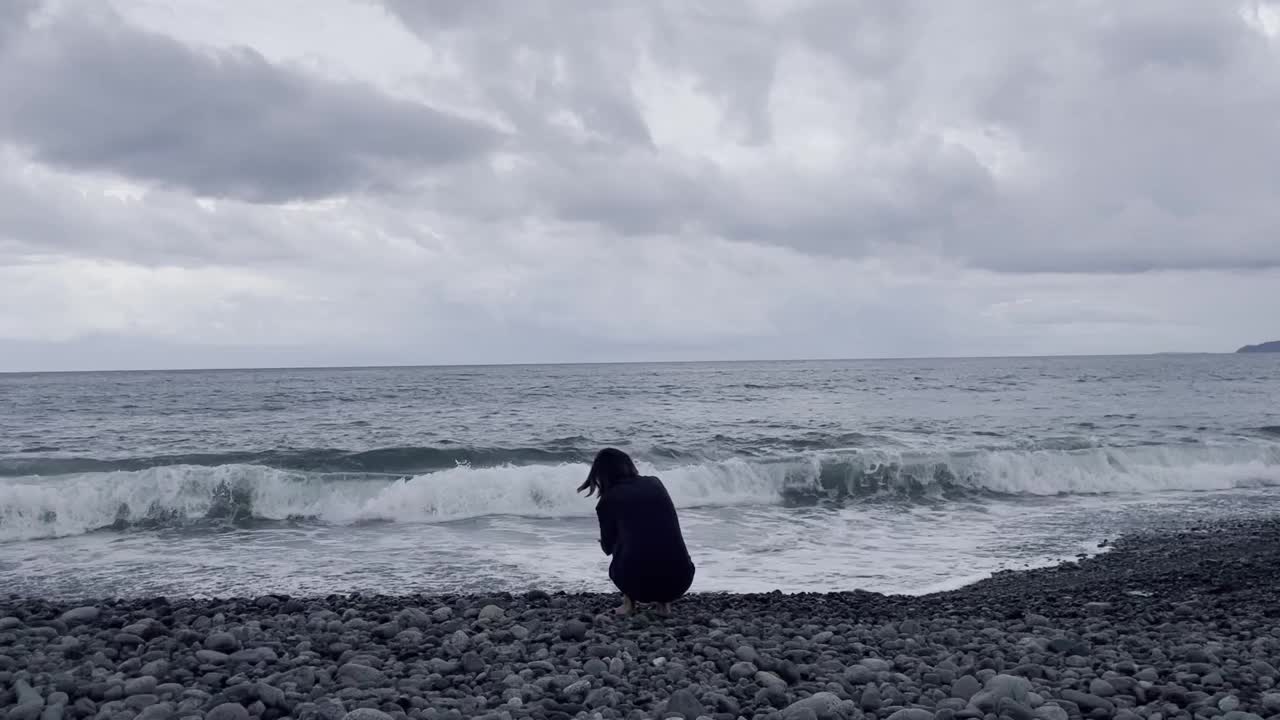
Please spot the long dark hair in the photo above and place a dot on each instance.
(610, 466)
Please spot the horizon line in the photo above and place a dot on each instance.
(409, 366)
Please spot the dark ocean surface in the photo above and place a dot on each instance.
(901, 476)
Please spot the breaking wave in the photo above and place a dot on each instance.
(34, 507)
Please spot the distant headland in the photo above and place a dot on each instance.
(1273, 346)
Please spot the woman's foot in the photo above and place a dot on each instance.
(627, 607)
(664, 609)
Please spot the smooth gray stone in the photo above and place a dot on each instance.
(821, 704)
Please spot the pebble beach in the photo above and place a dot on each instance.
(1173, 625)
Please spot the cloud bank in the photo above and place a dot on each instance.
(400, 182)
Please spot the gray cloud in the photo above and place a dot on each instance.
(671, 180)
(13, 19)
(1132, 140)
(533, 60)
(99, 95)
(44, 214)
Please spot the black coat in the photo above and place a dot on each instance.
(640, 529)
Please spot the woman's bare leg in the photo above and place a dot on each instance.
(627, 608)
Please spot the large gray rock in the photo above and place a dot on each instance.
(328, 710)
(1087, 701)
(859, 675)
(413, 618)
(1010, 708)
(1101, 688)
(1051, 712)
(1271, 703)
(1002, 687)
(158, 668)
(578, 690)
(965, 687)
(83, 614)
(491, 613)
(211, 657)
(912, 714)
(870, 699)
(741, 670)
(472, 662)
(686, 704)
(412, 636)
(443, 667)
(222, 642)
(228, 711)
(24, 712)
(159, 711)
(242, 693)
(366, 714)
(602, 698)
(361, 675)
(724, 704)
(141, 702)
(769, 680)
(169, 690)
(1009, 686)
(304, 677)
(271, 696)
(458, 642)
(145, 629)
(27, 695)
(1264, 668)
(144, 685)
(574, 631)
(821, 704)
(253, 656)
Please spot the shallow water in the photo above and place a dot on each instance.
(896, 476)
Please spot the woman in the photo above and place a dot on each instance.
(639, 528)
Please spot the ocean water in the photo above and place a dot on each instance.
(900, 476)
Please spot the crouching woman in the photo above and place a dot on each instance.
(640, 530)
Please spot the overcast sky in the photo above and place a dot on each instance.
(204, 183)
